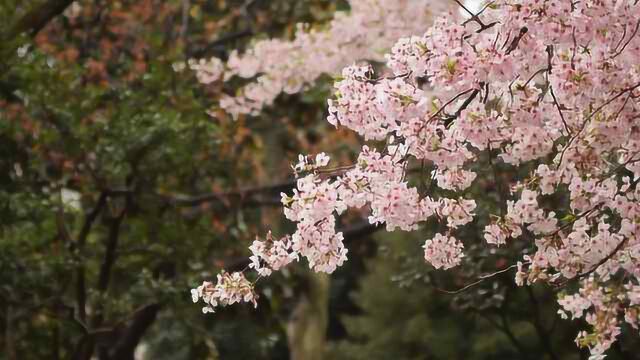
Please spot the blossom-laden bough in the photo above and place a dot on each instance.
(276, 66)
(553, 84)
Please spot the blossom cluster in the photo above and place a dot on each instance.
(443, 252)
(532, 84)
(601, 307)
(278, 66)
(271, 255)
(231, 288)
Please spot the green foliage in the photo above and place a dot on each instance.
(117, 133)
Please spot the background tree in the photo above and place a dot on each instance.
(113, 174)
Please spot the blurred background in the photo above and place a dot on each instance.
(119, 193)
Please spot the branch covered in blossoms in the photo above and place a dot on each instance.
(278, 66)
(231, 288)
(551, 86)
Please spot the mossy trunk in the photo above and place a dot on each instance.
(307, 327)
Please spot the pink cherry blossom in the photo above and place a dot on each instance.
(443, 251)
(549, 89)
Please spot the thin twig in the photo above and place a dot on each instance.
(593, 113)
(596, 266)
(635, 31)
(480, 280)
(555, 101)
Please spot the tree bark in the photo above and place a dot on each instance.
(36, 19)
(307, 328)
(31, 24)
(125, 347)
(8, 335)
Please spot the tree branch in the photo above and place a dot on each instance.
(36, 19)
(131, 336)
(596, 266)
(481, 279)
(110, 252)
(241, 195)
(543, 334)
(350, 234)
(220, 43)
(81, 291)
(507, 329)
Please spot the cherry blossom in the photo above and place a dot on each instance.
(231, 288)
(443, 252)
(278, 66)
(548, 89)
(271, 255)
